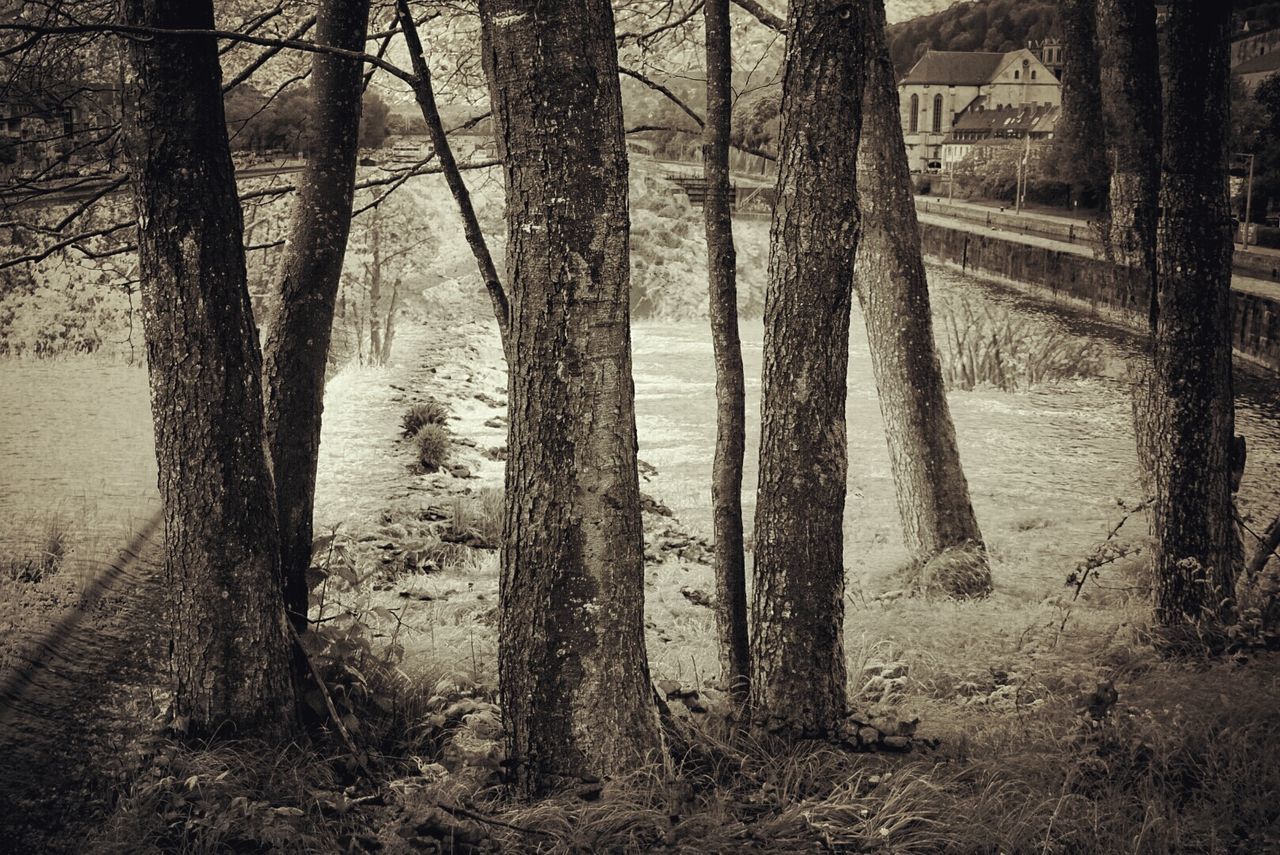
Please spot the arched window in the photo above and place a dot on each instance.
(1015, 74)
(937, 114)
(1033, 74)
(915, 113)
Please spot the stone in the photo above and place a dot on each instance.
(460, 471)
(897, 743)
(697, 597)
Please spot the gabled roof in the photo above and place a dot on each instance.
(1260, 64)
(1013, 121)
(955, 68)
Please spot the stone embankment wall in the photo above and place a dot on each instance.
(1089, 283)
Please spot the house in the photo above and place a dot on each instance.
(978, 125)
(942, 85)
(1257, 69)
(53, 130)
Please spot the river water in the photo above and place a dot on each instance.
(1045, 465)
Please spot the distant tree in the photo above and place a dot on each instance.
(1196, 548)
(375, 121)
(229, 643)
(572, 665)
(797, 645)
(933, 496)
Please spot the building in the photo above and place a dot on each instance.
(1252, 40)
(55, 130)
(942, 85)
(1257, 69)
(1050, 52)
(979, 126)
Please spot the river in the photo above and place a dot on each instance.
(1045, 465)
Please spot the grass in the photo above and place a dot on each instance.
(981, 345)
(46, 556)
(418, 416)
(432, 444)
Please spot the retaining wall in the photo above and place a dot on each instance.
(1093, 284)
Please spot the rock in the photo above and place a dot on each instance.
(464, 440)
(497, 452)
(496, 422)
(669, 688)
(647, 470)
(897, 743)
(868, 736)
(697, 597)
(894, 671)
(653, 506)
(460, 471)
(396, 531)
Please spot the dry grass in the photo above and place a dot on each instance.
(981, 345)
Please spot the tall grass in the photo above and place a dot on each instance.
(986, 345)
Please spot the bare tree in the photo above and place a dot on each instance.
(933, 495)
(573, 669)
(798, 667)
(297, 347)
(1193, 410)
(726, 478)
(229, 652)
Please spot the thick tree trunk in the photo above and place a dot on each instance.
(726, 472)
(798, 667)
(297, 345)
(1129, 70)
(1193, 416)
(229, 651)
(933, 496)
(573, 669)
(1079, 132)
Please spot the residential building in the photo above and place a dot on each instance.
(979, 126)
(942, 85)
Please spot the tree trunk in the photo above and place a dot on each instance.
(573, 670)
(229, 651)
(297, 345)
(375, 289)
(1193, 408)
(1129, 70)
(726, 472)
(933, 496)
(798, 668)
(389, 324)
(1079, 132)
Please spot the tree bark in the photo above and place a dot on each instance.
(1193, 416)
(1129, 70)
(798, 668)
(297, 345)
(229, 651)
(1080, 131)
(726, 470)
(933, 495)
(573, 670)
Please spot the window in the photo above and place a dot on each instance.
(915, 113)
(937, 114)
(1033, 74)
(1015, 74)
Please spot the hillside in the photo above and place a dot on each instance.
(987, 25)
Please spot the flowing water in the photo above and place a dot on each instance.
(75, 441)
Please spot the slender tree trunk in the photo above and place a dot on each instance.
(1195, 549)
(726, 475)
(389, 324)
(375, 290)
(933, 496)
(1129, 70)
(229, 651)
(798, 667)
(297, 347)
(573, 669)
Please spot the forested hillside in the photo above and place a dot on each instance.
(990, 25)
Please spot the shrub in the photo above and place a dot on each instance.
(432, 442)
(922, 185)
(429, 412)
(45, 560)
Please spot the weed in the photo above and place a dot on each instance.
(432, 442)
(429, 412)
(45, 559)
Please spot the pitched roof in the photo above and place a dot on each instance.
(955, 68)
(1005, 121)
(1260, 64)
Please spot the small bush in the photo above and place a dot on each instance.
(45, 560)
(429, 412)
(432, 442)
(923, 185)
